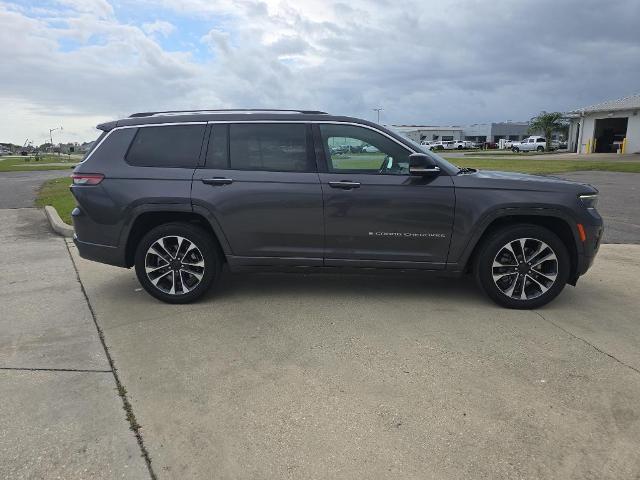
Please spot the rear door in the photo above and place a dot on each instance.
(376, 214)
(260, 183)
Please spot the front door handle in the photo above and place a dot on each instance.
(344, 184)
(217, 181)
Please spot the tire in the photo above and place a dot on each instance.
(197, 268)
(515, 149)
(459, 147)
(540, 149)
(533, 286)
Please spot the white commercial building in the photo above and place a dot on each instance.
(606, 127)
(417, 133)
(479, 132)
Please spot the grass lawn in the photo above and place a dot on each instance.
(55, 192)
(505, 153)
(46, 162)
(550, 166)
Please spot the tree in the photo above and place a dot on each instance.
(547, 123)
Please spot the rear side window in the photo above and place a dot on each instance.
(174, 146)
(272, 147)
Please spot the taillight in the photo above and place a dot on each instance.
(87, 178)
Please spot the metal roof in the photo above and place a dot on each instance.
(627, 103)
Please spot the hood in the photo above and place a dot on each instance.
(521, 181)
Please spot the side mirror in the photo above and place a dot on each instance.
(421, 164)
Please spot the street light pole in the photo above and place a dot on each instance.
(51, 136)
(378, 110)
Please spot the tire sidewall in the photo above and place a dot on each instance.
(490, 248)
(195, 235)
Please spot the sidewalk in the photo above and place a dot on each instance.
(60, 416)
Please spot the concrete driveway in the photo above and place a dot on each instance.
(315, 376)
(60, 413)
(292, 376)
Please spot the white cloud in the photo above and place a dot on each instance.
(160, 27)
(449, 61)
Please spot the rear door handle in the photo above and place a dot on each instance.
(217, 181)
(344, 184)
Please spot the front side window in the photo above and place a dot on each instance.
(278, 147)
(361, 150)
(173, 146)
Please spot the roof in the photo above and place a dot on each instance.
(177, 116)
(627, 103)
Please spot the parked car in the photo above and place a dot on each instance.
(369, 149)
(462, 144)
(177, 195)
(531, 144)
(558, 144)
(443, 145)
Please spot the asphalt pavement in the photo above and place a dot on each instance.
(18, 189)
(619, 203)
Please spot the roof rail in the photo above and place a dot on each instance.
(232, 110)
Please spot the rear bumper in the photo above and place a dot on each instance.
(100, 253)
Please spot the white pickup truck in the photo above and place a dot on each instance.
(531, 144)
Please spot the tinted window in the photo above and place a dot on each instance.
(166, 146)
(274, 147)
(362, 150)
(541, 140)
(218, 151)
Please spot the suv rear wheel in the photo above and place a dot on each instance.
(522, 266)
(540, 148)
(177, 262)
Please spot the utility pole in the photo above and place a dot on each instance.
(51, 136)
(378, 110)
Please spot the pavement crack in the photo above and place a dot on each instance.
(597, 349)
(134, 426)
(80, 370)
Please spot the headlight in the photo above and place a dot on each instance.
(589, 201)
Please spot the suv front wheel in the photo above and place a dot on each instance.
(177, 262)
(522, 266)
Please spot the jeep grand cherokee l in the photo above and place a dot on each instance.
(177, 194)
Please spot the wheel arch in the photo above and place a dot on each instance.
(555, 221)
(150, 218)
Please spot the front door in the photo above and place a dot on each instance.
(261, 185)
(375, 213)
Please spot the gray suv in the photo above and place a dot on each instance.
(178, 194)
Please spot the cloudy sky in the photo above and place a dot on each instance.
(76, 63)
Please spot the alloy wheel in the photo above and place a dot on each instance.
(174, 265)
(525, 268)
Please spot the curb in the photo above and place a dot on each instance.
(56, 222)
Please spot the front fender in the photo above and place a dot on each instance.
(461, 250)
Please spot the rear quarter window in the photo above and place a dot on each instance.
(172, 146)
